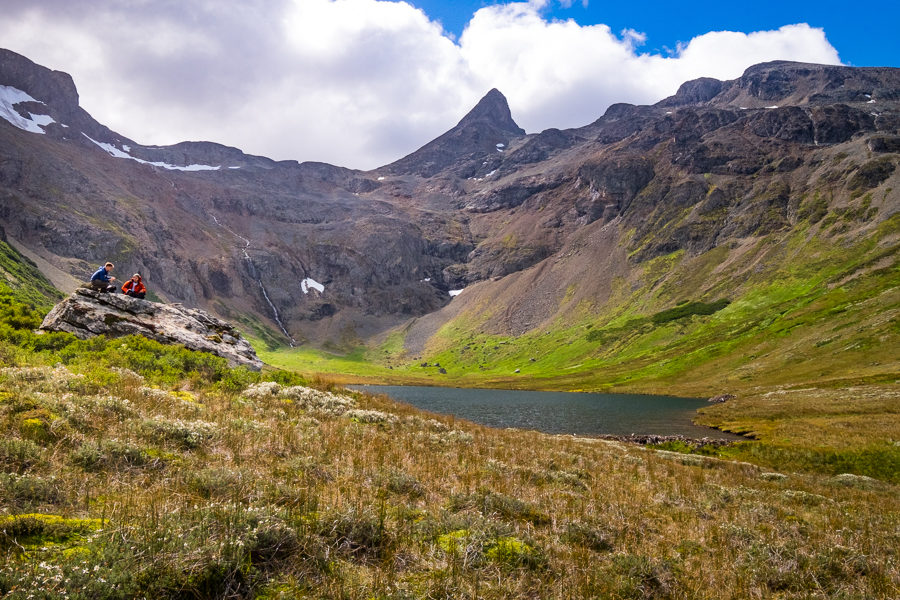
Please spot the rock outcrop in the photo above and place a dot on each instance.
(87, 313)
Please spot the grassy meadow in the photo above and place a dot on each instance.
(129, 469)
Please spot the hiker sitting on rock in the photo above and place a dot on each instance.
(135, 287)
(101, 280)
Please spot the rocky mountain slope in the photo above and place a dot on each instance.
(786, 175)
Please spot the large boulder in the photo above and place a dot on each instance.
(87, 313)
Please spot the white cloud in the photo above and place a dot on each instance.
(356, 82)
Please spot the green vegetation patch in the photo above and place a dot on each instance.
(689, 309)
(21, 279)
(38, 528)
(872, 173)
(18, 455)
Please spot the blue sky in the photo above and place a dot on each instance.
(361, 83)
(864, 34)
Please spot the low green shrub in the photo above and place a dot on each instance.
(689, 309)
(686, 447)
(112, 454)
(513, 553)
(588, 536)
(635, 576)
(17, 456)
(880, 462)
(213, 483)
(492, 503)
(355, 533)
(872, 173)
(403, 484)
(25, 492)
(184, 435)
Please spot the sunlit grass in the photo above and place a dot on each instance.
(281, 491)
(130, 469)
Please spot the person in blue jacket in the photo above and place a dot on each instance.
(101, 280)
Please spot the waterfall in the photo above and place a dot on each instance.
(255, 274)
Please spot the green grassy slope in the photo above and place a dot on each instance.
(813, 307)
(21, 280)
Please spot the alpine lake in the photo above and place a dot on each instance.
(581, 414)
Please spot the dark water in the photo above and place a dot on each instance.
(559, 412)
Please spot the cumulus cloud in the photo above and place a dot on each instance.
(356, 82)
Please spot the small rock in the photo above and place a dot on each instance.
(721, 398)
(442, 371)
(857, 481)
(517, 370)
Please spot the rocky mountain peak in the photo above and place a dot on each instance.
(54, 88)
(485, 130)
(785, 83)
(492, 109)
(695, 91)
(41, 100)
(87, 313)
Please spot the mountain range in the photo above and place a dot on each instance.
(684, 236)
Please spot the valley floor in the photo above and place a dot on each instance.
(827, 427)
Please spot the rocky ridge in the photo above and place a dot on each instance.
(519, 217)
(87, 313)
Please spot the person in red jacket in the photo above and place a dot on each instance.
(135, 287)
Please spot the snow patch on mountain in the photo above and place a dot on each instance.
(116, 153)
(9, 97)
(310, 283)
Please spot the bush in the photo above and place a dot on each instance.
(213, 483)
(872, 173)
(587, 536)
(689, 309)
(93, 456)
(642, 577)
(23, 492)
(492, 503)
(355, 533)
(185, 435)
(879, 461)
(18, 455)
(404, 485)
(513, 553)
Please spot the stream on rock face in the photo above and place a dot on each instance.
(255, 275)
(560, 412)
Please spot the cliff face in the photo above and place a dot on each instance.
(87, 313)
(317, 253)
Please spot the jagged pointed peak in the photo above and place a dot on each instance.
(494, 110)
